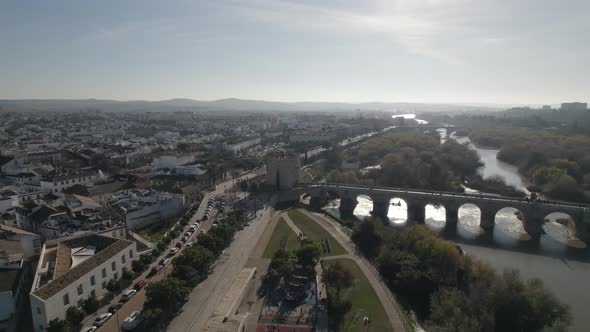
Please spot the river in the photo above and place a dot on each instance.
(565, 277)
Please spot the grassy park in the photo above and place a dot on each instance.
(363, 300)
(282, 237)
(315, 232)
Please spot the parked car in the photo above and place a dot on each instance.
(101, 319)
(132, 321)
(174, 250)
(187, 234)
(178, 245)
(114, 307)
(157, 269)
(189, 245)
(164, 261)
(89, 329)
(140, 284)
(192, 228)
(183, 239)
(128, 294)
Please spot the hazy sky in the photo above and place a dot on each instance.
(478, 51)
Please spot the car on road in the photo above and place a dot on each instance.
(128, 294)
(178, 245)
(101, 319)
(183, 239)
(140, 284)
(157, 268)
(164, 261)
(192, 228)
(132, 321)
(114, 307)
(89, 329)
(187, 234)
(173, 251)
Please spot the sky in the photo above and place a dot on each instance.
(431, 51)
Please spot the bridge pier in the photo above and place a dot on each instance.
(416, 211)
(347, 206)
(380, 207)
(317, 202)
(488, 218)
(533, 221)
(451, 218)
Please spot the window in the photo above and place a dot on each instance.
(130, 253)
(104, 284)
(104, 272)
(116, 276)
(66, 299)
(114, 265)
(38, 310)
(123, 259)
(92, 281)
(40, 327)
(93, 293)
(80, 289)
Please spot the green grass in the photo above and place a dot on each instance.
(363, 300)
(282, 235)
(315, 232)
(313, 171)
(156, 232)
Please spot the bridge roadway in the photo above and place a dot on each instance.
(533, 211)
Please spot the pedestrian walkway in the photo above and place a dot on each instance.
(291, 224)
(385, 296)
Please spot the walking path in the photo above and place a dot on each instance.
(291, 224)
(385, 296)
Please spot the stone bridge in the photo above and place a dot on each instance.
(533, 211)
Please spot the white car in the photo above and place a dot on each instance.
(89, 329)
(101, 319)
(132, 321)
(128, 294)
(173, 251)
(192, 229)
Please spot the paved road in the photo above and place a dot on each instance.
(385, 296)
(136, 303)
(206, 296)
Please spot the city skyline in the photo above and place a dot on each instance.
(449, 52)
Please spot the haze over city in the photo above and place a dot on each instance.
(433, 51)
(294, 165)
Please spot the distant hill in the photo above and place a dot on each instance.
(230, 104)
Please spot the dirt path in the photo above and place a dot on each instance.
(385, 296)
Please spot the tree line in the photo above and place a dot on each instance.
(554, 163)
(450, 291)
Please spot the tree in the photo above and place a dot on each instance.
(138, 265)
(126, 274)
(308, 254)
(187, 274)
(167, 294)
(337, 276)
(58, 325)
(113, 285)
(90, 305)
(74, 316)
(367, 239)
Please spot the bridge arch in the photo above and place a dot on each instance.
(435, 216)
(364, 207)
(560, 229)
(469, 221)
(509, 226)
(398, 211)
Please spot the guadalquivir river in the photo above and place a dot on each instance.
(566, 278)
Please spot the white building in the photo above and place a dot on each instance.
(72, 269)
(56, 181)
(240, 145)
(141, 208)
(311, 137)
(13, 292)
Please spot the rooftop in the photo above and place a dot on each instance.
(69, 267)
